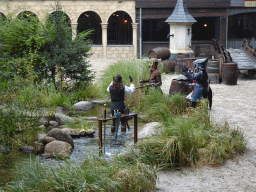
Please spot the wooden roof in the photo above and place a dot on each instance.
(189, 3)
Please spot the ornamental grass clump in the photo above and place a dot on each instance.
(189, 139)
(95, 174)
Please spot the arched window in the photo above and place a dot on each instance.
(120, 28)
(2, 17)
(58, 15)
(28, 15)
(91, 20)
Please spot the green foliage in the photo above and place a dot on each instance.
(95, 174)
(136, 68)
(8, 126)
(66, 58)
(190, 139)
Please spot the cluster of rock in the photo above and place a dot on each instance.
(58, 142)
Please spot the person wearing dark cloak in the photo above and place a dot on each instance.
(154, 75)
(201, 88)
(117, 92)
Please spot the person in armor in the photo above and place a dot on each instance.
(154, 74)
(117, 91)
(202, 88)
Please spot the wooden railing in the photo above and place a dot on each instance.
(248, 50)
(222, 51)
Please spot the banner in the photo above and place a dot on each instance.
(249, 3)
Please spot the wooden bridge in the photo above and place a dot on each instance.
(245, 57)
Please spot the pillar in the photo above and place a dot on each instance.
(74, 28)
(104, 39)
(134, 36)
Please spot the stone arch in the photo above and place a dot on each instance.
(2, 16)
(119, 28)
(91, 20)
(68, 20)
(29, 15)
(242, 25)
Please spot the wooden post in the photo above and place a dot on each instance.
(100, 136)
(135, 129)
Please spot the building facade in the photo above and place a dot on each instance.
(131, 28)
(113, 22)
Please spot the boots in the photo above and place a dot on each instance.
(113, 129)
(123, 128)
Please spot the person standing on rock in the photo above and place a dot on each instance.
(202, 88)
(117, 91)
(154, 75)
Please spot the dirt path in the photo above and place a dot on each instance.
(234, 104)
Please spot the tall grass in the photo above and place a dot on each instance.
(189, 139)
(95, 174)
(138, 69)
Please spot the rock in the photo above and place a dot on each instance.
(72, 132)
(40, 137)
(47, 140)
(26, 149)
(148, 130)
(46, 155)
(61, 118)
(38, 147)
(43, 121)
(54, 123)
(83, 106)
(58, 149)
(58, 134)
(88, 132)
(4, 149)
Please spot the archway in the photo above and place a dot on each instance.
(91, 20)
(58, 15)
(120, 29)
(28, 15)
(2, 17)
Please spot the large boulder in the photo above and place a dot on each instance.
(83, 106)
(58, 134)
(72, 132)
(58, 149)
(87, 133)
(62, 119)
(47, 139)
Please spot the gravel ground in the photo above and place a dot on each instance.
(233, 104)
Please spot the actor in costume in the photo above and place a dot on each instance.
(154, 74)
(201, 88)
(117, 91)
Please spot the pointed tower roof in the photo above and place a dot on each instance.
(180, 14)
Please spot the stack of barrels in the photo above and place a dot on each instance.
(213, 71)
(164, 54)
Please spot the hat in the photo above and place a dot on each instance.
(200, 62)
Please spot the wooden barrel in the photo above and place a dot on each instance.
(229, 73)
(160, 53)
(180, 86)
(180, 62)
(168, 66)
(213, 66)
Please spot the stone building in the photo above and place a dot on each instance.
(131, 28)
(113, 21)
